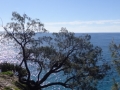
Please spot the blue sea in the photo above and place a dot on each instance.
(102, 40)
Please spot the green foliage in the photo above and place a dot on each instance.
(11, 88)
(9, 73)
(115, 54)
(7, 88)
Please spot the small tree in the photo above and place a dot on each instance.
(64, 54)
(115, 54)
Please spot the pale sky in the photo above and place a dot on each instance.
(75, 15)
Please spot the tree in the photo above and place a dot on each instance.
(62, 53)
(115, 54)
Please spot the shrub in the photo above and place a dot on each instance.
(7, 67)
(4, 67)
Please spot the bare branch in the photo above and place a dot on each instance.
(39, 72)
(56, 83)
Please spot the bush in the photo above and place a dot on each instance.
(7, 67)
(4, 67)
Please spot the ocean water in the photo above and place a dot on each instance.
(102, 40)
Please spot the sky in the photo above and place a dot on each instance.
(75, 15)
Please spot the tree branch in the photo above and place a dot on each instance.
(55, 83)
(65, 59)
(60, 70)
(46, 76)
(69, 79)
(12, 36)
(39, 72)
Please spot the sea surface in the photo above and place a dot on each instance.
(102, 40)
